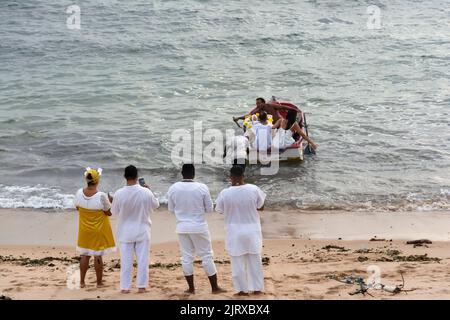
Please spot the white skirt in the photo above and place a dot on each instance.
(89, 252)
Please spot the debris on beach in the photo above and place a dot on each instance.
(419, 243)
(377, 239)
(364, 250)
(362, 258)
(334, 247)
(394, 256)
(34, 262)
(363, 287)
(265, 261)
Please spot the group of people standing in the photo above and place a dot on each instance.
(189, 201)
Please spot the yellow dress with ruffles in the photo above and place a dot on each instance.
(95, 235)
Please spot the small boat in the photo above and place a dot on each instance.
(294, 152)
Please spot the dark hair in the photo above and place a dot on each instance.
(291, 118)
(261, 99)
(237, 171)
(89, 180)
(131, 172)
(188, 171)
(263, 116)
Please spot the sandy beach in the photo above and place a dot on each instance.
(304, 256)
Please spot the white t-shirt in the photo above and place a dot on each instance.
(98, 201)
(239, 205)
(236, 148)
(133, 205)
(190, 201)
(263, 133)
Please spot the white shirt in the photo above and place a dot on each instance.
(133, 205)
(239, 205)
(98, 201)
(190, 201)
(263, 133)
(236, 148)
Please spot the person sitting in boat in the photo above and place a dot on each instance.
(278, 110)
(263, 132)
(287, 128)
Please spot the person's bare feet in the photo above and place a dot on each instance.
(100, 284)
(125, 291)
(218, 290)
(82, 285)
(257, 292)
(142, 290)
(241, 293)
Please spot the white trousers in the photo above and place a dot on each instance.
(247, 273)
(196, 243)
(127, 251)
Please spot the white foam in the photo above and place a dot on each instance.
(36, 197)
(39, 197)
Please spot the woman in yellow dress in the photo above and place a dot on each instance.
(95, 237)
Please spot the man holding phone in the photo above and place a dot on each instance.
(133, 205)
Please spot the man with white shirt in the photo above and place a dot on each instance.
(133, 205)
(239, 204)
(190, 200)
(263, 133)
(235, 151)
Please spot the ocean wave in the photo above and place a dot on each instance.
(41, 197)
(35, 197)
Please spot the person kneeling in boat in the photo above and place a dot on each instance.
(287, 128)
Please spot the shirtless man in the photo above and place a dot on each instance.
(276, 109)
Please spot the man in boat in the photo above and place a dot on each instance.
(276, 109)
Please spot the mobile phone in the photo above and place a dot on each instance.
(141, 181)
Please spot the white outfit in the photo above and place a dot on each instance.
(243, 241)
(283, 139)
(190, 201)
(196, 243)
(133, 205)
(142, 251)
(263, 136)
(247, 273)
(236, 149)
(98, 201)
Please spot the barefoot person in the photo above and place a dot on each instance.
(95, 237)
(133, 205)
(190, 200)
(239, 204)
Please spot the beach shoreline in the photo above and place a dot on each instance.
(302, 252)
